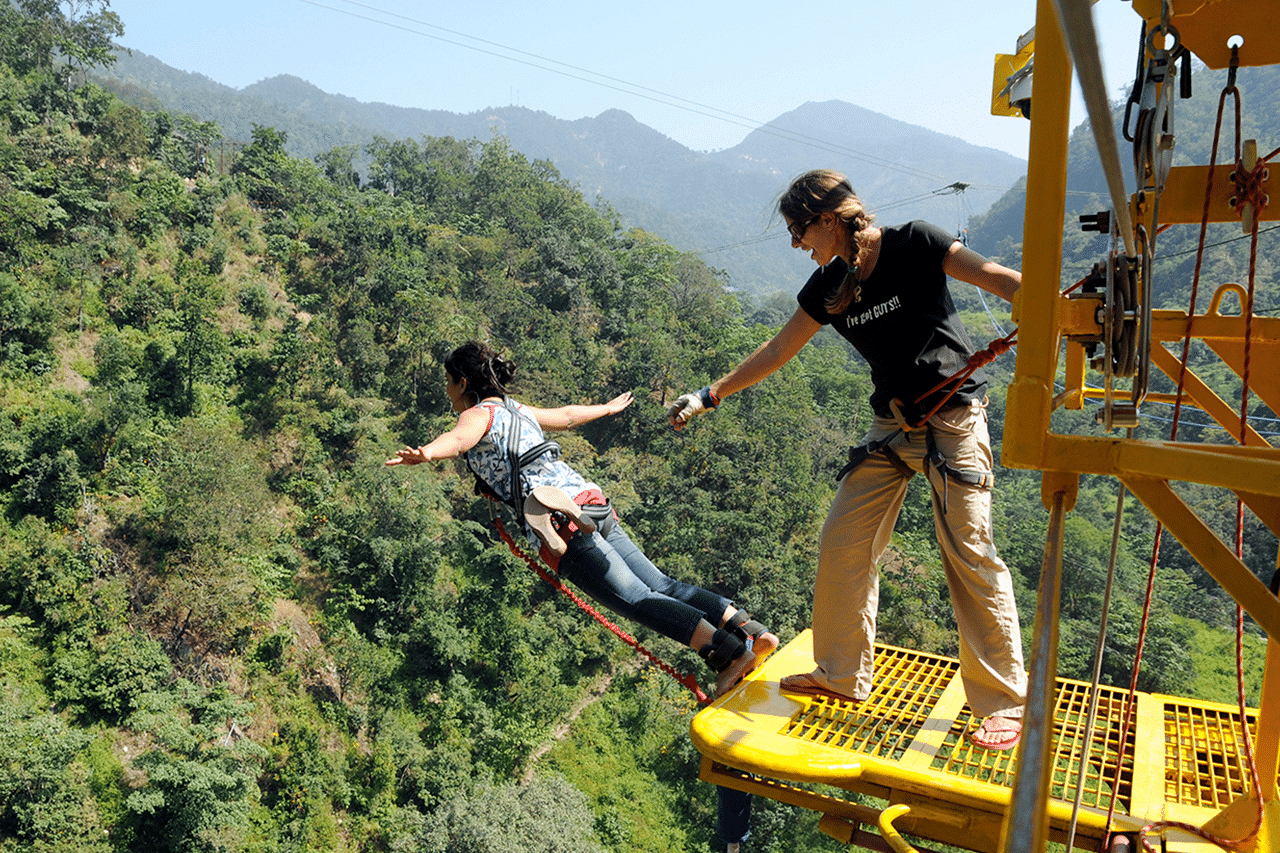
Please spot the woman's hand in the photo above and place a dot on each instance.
(409, 456)
(618, 403)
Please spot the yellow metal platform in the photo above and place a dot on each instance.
(906, 744)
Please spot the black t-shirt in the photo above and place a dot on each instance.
(903, 321)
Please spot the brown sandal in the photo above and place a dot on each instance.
(982, 735)
(805, 683)
(538, 507)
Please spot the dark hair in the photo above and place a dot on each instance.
(486, 372)
(827, 191)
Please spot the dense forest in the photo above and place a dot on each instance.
(225, 626)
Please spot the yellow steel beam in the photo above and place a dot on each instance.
(1268, 747)
(1203, 397)
(1171, 325)
(1240, 469)
(1182, 200)
(1077, 319)
(1209, 551)
(1036, 307)
(1206, 26)
(1264, 380)
(1267, 754)
(1266, 508)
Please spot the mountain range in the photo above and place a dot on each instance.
(718, 204)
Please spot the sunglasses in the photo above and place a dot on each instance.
(798, 229)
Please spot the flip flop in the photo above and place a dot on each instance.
(986, 742)
(538, 507)
(805, 683)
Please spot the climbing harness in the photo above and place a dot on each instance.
(517, 462)
(724, 648)
(934, 458)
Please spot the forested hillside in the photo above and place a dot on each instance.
(717, 203)
(225, 626)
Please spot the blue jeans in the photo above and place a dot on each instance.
(612, 570)
(733, 815)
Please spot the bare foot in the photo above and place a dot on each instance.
(735, 671)
(764, 644)
(808, 684)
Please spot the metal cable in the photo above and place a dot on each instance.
(1075, 17)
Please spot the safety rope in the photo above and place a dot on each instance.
(981, 358)
(1244, 188)
(1098, 650)
(683, 678)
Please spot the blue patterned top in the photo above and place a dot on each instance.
(488, 460)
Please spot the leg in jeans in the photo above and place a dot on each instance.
(614, 572)
(711, 606)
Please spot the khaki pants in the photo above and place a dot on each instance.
(857, 529)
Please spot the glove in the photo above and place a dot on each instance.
(688, 405)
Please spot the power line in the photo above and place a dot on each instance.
(657, 96)
(957, 188)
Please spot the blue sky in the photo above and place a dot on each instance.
(703, 73)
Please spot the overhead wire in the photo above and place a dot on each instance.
(668, 99)
(617, 84)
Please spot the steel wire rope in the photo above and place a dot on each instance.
(657, 95)
(1075, 18)
(771, 235)
(1229, 89)
(1098, 650)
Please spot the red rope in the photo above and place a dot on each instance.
(1131, 700)
(687, 680)
(1259, 201)
(981, 358)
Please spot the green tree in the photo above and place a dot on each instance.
(201, 347)
(546, 816)
(39, 33)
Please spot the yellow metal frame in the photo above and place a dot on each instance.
(1182, 760)
(1051, 327)
(906, 745)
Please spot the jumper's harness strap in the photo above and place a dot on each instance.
(933, 456)
(518, 461)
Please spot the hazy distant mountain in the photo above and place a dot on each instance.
(719, 204)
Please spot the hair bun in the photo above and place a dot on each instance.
(503, 370)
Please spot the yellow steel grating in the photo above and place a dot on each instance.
(1071, 708)
(1103, 752)
(1204, 755)
(907, 687)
